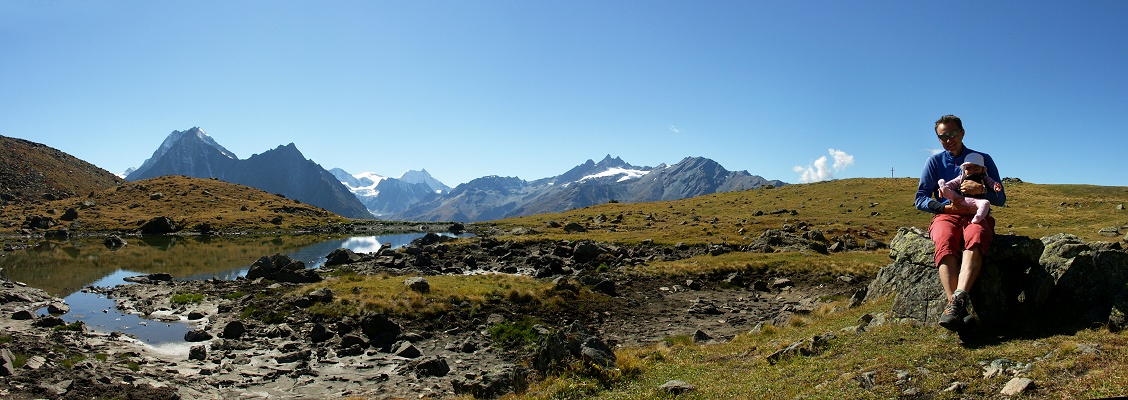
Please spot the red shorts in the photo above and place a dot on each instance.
(953, 233)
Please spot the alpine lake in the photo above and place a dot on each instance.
(64, 267)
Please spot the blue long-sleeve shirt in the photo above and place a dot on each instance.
(945, 166)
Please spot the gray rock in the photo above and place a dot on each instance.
(676, 387)
(417, 284)
(23, 315)
(606, 287)
(430, 366)
(198, 352)
(197, 335)
(7, 362)
(233, 330)
(406, 350)
(1017, 386)
(341, 256)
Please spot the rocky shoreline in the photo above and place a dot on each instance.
(298, 355)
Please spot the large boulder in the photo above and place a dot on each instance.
(1058, 278)
(282, 268)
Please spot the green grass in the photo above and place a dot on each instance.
(354, 295)
(186, 298)
(931, 357)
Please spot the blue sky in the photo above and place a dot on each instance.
(532, 88)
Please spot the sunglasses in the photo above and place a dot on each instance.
(949, 135)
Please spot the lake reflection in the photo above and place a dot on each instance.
(64, 267)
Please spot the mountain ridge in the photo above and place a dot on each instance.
(283, 170)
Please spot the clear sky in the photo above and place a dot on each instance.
(530, 89)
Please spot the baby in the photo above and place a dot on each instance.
(974, 170)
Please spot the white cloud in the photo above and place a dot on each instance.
(674, 129)
(820, 171)
(934, 151)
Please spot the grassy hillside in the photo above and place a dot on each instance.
(31, 171)
(876, 207)
(189, 202)
(887, 361)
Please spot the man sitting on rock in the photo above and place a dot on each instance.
(960, 244)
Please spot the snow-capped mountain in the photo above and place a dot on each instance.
(495, 197)
(383, 195)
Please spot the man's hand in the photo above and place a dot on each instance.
(972, 188)
(958, 208)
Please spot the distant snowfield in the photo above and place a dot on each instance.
(627, 174)
(366, 190)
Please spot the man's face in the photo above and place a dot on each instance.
(950, 137)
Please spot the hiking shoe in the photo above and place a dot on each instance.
(954, 314)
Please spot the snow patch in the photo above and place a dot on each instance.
(627, 174)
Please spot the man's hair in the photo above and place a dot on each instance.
(950, 121)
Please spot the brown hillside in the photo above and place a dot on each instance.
(192, 203)
(31, 171)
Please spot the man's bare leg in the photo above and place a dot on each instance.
(950, 274)
(969, 272)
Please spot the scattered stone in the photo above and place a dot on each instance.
(197, 335)
(406, 350)
(1017, 386)
(198, 352)
(429, 366)
(233, 330)
(417, 284)
(700, 336)
(676, 387)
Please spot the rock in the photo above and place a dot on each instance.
(574, 227)
(278, 331)
(559, 346)
(563, 284)
(293, 357)
(1022, 280)
(196, 316)
(70, 215)
(198, 352)
(49, 321)
(282, 268)
(197, 335)
(114, 242)
(56, 308)
(606, 287)
(586, 252)
(676, 387)
(23, 315)
(490, 384)
(429, 366)
(341, 256)
(406, 350)
(159, 226)
(381, 331)
(322, 295)
(7, 362)
(1109, 231)
(700, 336)
(782, 283)
(156, 196)
(319, 333)
(594, 350)
(1017, 386)
(351, 340)
(417, 284)
(233, 330)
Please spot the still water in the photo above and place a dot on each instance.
(64, 267)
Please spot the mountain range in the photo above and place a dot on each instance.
(417, 196)
(282, 170)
